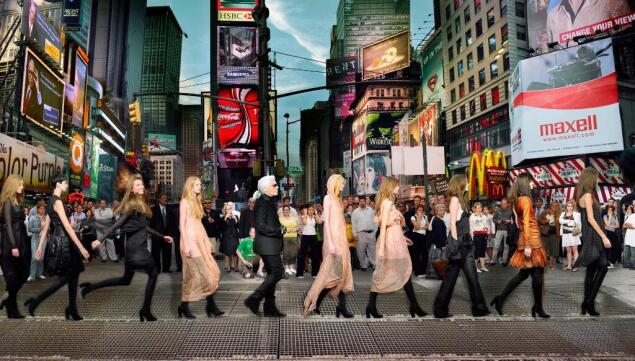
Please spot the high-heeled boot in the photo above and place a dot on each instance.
(319, 300)
(414, 306)
(12, 309)
(537, 291)
(371, 308)
(184, 310)
(271, 310)
(211, 307)
(71, 313)
(340, 309)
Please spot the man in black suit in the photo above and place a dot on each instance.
(247, 219)
(33, 102)
(268, 244)
(161, 221)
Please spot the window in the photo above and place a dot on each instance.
(503, 8)
(451, 75)
(457, 4)
(492, 43)
(491, 19)
(470, 84)
(495, 96)
(506, 62)
(463, 112)
(480, 54)
(449, 33)
(481, 77)
(453, 96)
(477, 6)
(459, 46)
(504, 33)
(506, 89)
(521, 32)
(493, 70)
(457, 25)
(470, 61)
(392, 105)
(461, 90)
(454, 116)
(448, 12)
(479, 28)
(380, 105)
(472, 107)
(520, 9)
(466, 15)
(468, 38)
(483, 101)
(459, 68)
(450, 53)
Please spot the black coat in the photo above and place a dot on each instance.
(268, 240)
(212, 229)
(156, 222)
(247, 220)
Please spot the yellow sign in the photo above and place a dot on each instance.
(478, 165)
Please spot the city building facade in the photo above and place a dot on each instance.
(190, 138)
(169, 175)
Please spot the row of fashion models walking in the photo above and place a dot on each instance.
(201, 274)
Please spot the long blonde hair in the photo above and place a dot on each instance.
(456, 188)
(195, 201)
(587, 184)
(9, 189)
(385, 193)
(132, 202)
(331, 184)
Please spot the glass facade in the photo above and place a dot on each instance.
(487, 131)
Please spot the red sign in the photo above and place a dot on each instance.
(237, 122)
(496, 182)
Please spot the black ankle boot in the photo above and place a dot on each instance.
(211, 307)
(71, 313)
(271, 310)
(146, 315)
(319, 300)
(85, 289)
(253, 304)
(371, 308)
(31, 306)
(12, 309)
(340, 309)
(497, 302)
(184, 310)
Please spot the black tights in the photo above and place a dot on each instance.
(537, 284)
(13, 287)
(152, 272)
(71, 280)
(593, 279)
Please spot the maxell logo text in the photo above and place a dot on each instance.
(574, 126)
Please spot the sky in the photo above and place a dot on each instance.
(298, 27)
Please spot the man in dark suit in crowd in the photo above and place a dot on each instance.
(161, 221)
(247, 219)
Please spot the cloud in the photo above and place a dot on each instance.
(278, 18)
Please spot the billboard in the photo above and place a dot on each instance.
(386, 56)
(37, 28)
(237, 51)
(76, 159)
(369, 172)
(432, 69)
(344, 97)
(341, 70)
(42, 94)
(71, 15)
(208, 119)
(428, 121)
(237, 122)
(235, 10)
(75, 93)
(566, 103)
(358, 138)
(236, 158)
(34, 164)
(91, 166)
(107, 171)
(161, 143)
(379, 127)
(557, 21)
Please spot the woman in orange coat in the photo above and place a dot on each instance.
(530, 256)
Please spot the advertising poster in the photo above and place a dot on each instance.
(75, 93)
(432, 69)
(107, 171)
(76, 159)
(359, 178)
(208, 154)
(555, 174)
(161, 143)
(237, 122)
(42, 94)
(91, 166)
(236, 10)
(386, 55)
(344, 97)
(379, 127)
(71, 15)
(208, 119)
(377, 168)
(38, 29)
(552, 21)
(608, 170)
(341, 70)
(236, 158)
(34, 164)
(237, 50)
(348, 166)
(428, 121)
(566, 103)
(358, 139)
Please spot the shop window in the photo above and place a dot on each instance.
(495, 96)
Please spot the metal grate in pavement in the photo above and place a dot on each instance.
(594, 335)
(302, 338)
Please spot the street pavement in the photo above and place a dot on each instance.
(111, 328)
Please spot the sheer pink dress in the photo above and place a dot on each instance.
(393, 266)
(335, 272)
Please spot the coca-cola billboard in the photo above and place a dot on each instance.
(237, 122)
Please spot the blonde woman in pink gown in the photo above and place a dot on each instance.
(335, 277)
(392, 259)
(201, 274)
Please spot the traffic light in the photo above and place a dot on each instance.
(145, 151)
(134, 111)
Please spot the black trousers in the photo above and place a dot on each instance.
(71, 280)
(151, 270)
(613, 254)
(305, 247)
(595, 273)
(162, 254)
(120, 247)
(316, 256)
(466, 263)
(275, 271)
(417, 251)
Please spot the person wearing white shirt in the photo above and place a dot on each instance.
(629, 238)
(570, 230)
(364, 228)
(77, 217)
(103, 219)
(479, 230)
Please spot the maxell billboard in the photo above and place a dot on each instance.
(237, 47)
(565, 103)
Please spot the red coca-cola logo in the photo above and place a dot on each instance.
(237, 122)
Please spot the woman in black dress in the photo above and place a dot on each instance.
(229, 237)
(64, 251)
(15, 249)
(592, 255)
(133, 224)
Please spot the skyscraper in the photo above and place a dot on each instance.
(190, 138)
(161, 70)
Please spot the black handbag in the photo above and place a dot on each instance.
(58, 252)
(463, 234)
